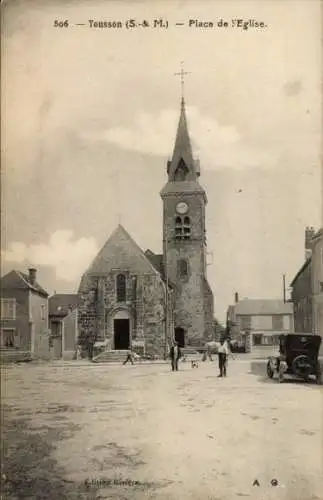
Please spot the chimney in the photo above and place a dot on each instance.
(309, 234)
(32, 275)
(236, 298)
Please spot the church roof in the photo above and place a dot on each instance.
(156, 260)
(269, 307)
(121, 252)
(183, 149)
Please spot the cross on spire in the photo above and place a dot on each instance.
(182, 73)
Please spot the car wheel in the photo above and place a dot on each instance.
(270, 371)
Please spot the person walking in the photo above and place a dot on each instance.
(129, 357)
(175, 354)
(223, 353)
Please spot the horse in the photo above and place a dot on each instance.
(210, 348)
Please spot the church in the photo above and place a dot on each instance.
(131, 298)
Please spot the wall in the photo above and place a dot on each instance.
(317, 288)
(153, 311)
(191, 301)
(317, 285)
(21, 323)
(145, 306)
(40, 329)
(261, 323)
(69, 334)
(288, 322)
(265, 323)
(209, 322)
(302, 299)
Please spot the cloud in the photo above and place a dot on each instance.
(69, 257)
(216, 145)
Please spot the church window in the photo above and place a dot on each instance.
(181, 171)
(183, 268)
(182, 228)
(121, 288)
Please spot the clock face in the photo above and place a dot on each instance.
(181, 207)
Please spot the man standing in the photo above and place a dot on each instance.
(223, 353)
(175, 354)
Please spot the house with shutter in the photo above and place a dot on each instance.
(24, 316)
(260, 322)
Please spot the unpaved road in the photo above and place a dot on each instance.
(86, 431)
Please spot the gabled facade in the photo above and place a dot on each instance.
(184, 242)
(24, 314)
(122, 299)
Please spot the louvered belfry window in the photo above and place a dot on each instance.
(181, 172)
(182, 228)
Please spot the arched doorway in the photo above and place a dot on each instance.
(121, 330)
(180, 336)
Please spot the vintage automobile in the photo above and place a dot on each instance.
(298, 356)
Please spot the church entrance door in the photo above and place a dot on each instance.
(180, 336)
(121, 334)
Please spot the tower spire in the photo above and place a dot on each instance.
(182, 165)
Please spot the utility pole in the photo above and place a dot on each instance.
(284, 288)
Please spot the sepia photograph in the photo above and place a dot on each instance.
(161, 250)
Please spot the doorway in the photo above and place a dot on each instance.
(121, 334)
(257, 339)
(180, 336)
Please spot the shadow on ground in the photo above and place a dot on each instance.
(259, 368)
(28, 469)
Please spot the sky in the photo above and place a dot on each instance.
(89, 121)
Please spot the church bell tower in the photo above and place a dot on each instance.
(184, 242)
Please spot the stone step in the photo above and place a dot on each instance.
(110, 356)
(186, 351)
(15, 356)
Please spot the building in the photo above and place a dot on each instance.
(63, 320)
(122, 298)
(301, 296)
(307, 286)
(317, 283)
(24, 315)
(184, 241)
(130, 297)
(260, 322)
